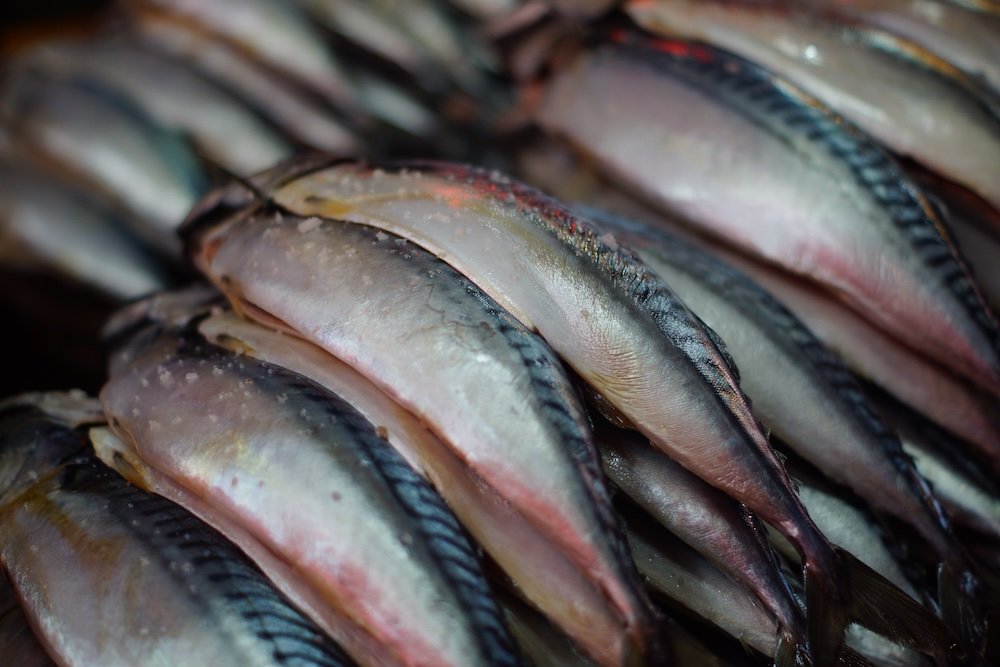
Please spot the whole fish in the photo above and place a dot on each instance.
(114, 147)
(716, 139)
(610, 319)
(710, 522)
(963, 37)
(47, 225)
(304, 120)
(799, 389)
(224, 130)
(538, 567)
(126, 548)
(910, 100)
(276, 33)
(494, 393)
(303, 484)
(18, 644)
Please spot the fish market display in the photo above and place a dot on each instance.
(487, 333)
(151, 583)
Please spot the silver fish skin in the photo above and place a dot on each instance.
(538, 567)
(409, 322)
(717, 139)
(213, 430)
(879, 358)
(707, 520)
(798, 388)
(880, 82)
(611, 319)
(152, 172)
(225, 131)
(47, 225)
(18, 644)
(126, 547)
(959, 35)
(272, 96)
(277, 33)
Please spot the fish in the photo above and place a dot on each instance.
(223, 129)
(610, 319)
(152, 172)
(711, 523)
(305, 121)
(882, 360)
(47, 225)
(491, 391)
(957, 34)
(797, 387)
(124, 548)
(309, 490)
(717, 139)
(275, 33)
(540, 641)
(17, 641)
(912, 101)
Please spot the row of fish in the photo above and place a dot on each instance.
(753, 366)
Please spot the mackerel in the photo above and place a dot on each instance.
(612, 321)
(716, 139)
(799, 389)
(125, 548)
(906, 97)
(224, 130)
(116, 148)
(493, 392)
(956, 34)
(303, 484)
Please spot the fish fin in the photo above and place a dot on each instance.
(961, 608)
(879, 605)
(789, 653)
(721, 346)
(851, 659)
(826, 616)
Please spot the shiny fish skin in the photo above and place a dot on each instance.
(799, 389)
(707, 520)
(272, 96)
(409, 322)
(225, 131)
(213, 431)
(958, 35)
(716, 140)
(47, 225)
(539, 569)
(601, 310)
(125, 547)
(908, 99)
(18, 644)
(152, 172)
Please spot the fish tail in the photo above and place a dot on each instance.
(826, 614)
(849, 658)
(790, 652)
(962, 609)
(879, 605)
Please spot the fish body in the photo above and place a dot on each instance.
(963, 37)
(150, 171)
(125, 548)
(303, 120)
(716, 140)
(215, 431)
(225, 131)
(47, 225)
(18, 644)
(800, 390)
(445, 351)
(907, 98)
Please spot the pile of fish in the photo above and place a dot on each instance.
(712, 379)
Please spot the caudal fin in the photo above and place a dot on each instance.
(879, 605)
(962, 609)
(826, 616)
